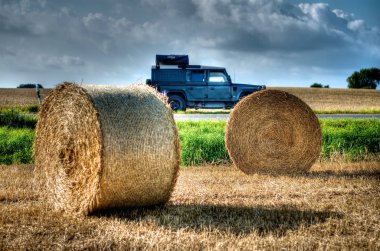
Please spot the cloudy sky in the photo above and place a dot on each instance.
(272, 42)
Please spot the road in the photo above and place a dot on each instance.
(221, 117)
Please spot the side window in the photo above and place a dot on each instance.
(217, 78)
(195, 76)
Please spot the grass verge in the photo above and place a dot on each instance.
(16, 145)
(355, 139)
(202, 142)
(19, 117)
(20, 109)
(352, 139)
(18, 120)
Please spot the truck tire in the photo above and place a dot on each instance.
(177, 103)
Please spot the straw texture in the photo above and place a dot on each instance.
(105, 147)
(273, 132)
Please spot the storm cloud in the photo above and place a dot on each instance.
(260, 41)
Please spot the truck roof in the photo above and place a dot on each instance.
(192, 67)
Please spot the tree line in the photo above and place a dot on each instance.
(365, 78)
(368, 78)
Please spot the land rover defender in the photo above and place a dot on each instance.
(196, 86)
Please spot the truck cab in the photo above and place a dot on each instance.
(196, 86)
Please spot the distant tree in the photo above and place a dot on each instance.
(316, 85)
(365, 78)
(326, 86)
(30, 85)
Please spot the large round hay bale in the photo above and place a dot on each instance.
(105, 147)
(273, 132)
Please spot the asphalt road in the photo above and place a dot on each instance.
(221, 117)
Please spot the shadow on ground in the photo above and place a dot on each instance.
(232, 219)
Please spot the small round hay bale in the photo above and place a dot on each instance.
(273, 132)
(105, 147)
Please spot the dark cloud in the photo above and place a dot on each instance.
(9, 27)
(115, 42)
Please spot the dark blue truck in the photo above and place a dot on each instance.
(196, 86)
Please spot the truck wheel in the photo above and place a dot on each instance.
(177, 103)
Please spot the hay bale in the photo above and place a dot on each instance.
(273, 132)
(105, 147)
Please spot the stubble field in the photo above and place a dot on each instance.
(330, 99)
(11, 97)
(334, 207)
(319, 99)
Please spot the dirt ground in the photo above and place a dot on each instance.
(336, 206)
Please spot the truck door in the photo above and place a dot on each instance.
(196, 87)
(218, 86)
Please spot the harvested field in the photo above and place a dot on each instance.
(320, 99)
(331, 99)
(10, 97)
(335, 206)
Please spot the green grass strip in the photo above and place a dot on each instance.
(18, 120)
(20, 109)
(16, 145)
(202, 142)
(355, 139)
